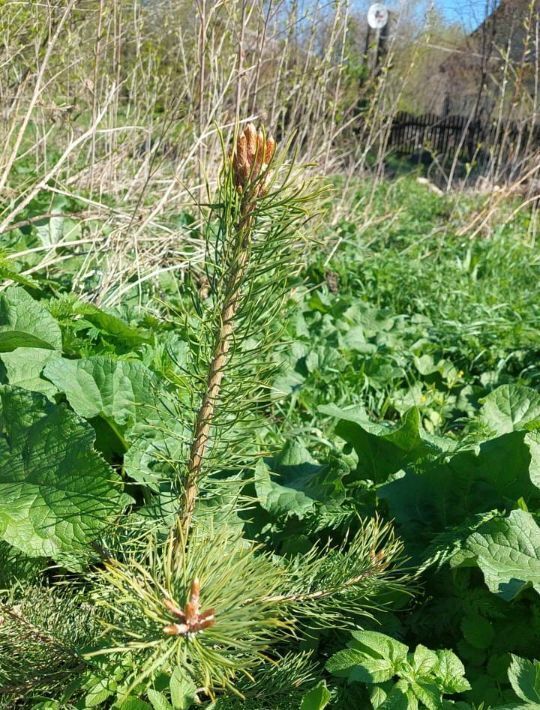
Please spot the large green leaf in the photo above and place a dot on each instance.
(278, 500)
(511, 407)
(56, 492)
(26, 323)
(24, 367)
(102, 386)
(382, 449)
(155, 450)
(507, 551)
(431, 498)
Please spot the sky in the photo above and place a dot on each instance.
(467, 12)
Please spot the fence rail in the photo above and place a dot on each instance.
(444, 135)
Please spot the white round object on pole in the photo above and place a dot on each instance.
(377, 16)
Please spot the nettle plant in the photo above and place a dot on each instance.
(181, 607)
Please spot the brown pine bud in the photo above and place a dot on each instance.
(173, 608)
(270, 150)
(175, 629)
(195, 592)
(251, 157)
(250, 133)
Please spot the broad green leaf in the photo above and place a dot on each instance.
(99, 692)
(359, 666)
(532, 440)
(183, 690)
(56, 492)
(51, 231)
(158, 700)
(449, 673)
(317, 698)
(102, 386)
(423, 660)
(507, 551)
(131, 703)
(379, 693)
(511, 407)
(24, 367)
(111, 324)
(379, 644)
(427, 693)
(155, 450)
(279, 500)
(372, 657)
(26, 323)
(401, 697)
(524, 676)
(435, 497)
(381, 449)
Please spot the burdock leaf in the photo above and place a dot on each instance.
(507, 551)
(102, 386)
(280, 501)
(26, 323)
(24, 367)
(56, 492)
(511, 407)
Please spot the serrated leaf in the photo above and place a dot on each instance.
(524, 677)
(102, 386)
(507, 551)
(372, 657)
(532, 440)
(401, 697)
(56, 492)
(317, 698)
(440, 495)
(358, 666)
(158, 700)
(26, 323)
(449, 673)
(132, 703)
(379, 644)
(427, 693)
(111, 324)
(511, 407)
(183, 690)
(154, 451)
(423, 660)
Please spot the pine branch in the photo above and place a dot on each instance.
(252, 156)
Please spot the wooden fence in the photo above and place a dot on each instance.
(444, 135)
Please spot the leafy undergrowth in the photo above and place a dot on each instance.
(407, 390)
